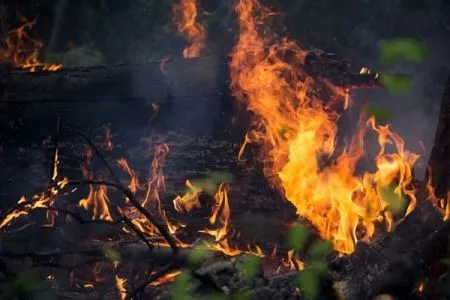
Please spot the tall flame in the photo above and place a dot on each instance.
(297, 132)
(21, 50)
(185, 17)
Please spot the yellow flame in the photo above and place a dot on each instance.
(189, 201)
(120, 286)
(297, 132)
(98, 201)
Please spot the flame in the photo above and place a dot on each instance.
(293, 262)
(223, 221)
(169, 277)
(134, 185)
(120, 286)
(108, 141)
(21, 50)
(185, 17)
(447, 207)
(189, 201)
(98, 201)
(297, 132)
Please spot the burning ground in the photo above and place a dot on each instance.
(276, 197)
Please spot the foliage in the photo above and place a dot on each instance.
(396, 200)
(398, 84)
(211, 181)
(407, 49)
(297, 237)
(250, 267)
(198, 254)
(380, 114)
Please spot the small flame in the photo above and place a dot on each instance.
(169, 277)
(108, 139)
(21, 50)
(134, 185)
(185, 17)
(189, 201)
(293, 262)
(120, 286)
(98, 201)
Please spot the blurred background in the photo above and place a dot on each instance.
(99, 32)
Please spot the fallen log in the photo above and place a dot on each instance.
(394, 263)
(439, 162)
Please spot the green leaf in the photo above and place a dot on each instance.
(380, 114)
(179, 287)
(198, 254)
(308, 282)
(221, 176)
(216, 297)
(111, 253)
(446, 261)
(251, 267)
(318, 266)
(396, 200)
(321, 248)
(297, 237)
(240, 295)
(398, 84)
(402, 49)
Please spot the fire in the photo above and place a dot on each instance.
(297, 132)
(134, 185)
(21, 50)
(185, 16)
(169, 277)
(98, 201)
(189, 200)
(223, 221)
(120, 286)
(108, 139)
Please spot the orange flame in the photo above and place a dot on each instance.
(298, 132)
(120, 286)
(169, 277)
(134, 185)
(189, 201)
(98, 201)
(185, 17)
(21, 50)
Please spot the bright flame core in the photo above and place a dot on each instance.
(297, 131)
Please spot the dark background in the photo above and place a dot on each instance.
(136, 31)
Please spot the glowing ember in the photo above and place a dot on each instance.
(185, 17)
(298, 131)
(22, 51)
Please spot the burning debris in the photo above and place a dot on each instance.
(122, 236)
(22, 51)
(186, 18)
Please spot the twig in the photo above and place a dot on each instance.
(163, 230)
